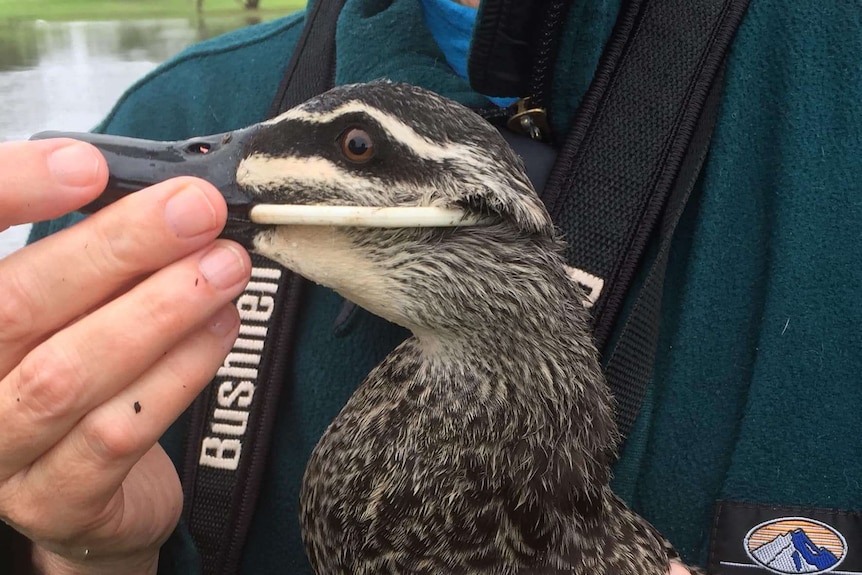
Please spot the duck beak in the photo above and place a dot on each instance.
(135, 164)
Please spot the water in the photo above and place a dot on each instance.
(67, 75)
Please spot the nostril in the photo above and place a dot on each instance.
(198, 148)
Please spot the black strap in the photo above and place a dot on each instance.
(231, 422)
(629, 364)
(312, 68)
(640, 134)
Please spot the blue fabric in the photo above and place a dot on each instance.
(451, 25)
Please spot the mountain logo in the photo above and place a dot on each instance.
(795, 545)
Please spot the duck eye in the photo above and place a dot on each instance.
(357, 146)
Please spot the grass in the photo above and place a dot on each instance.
(125, 9)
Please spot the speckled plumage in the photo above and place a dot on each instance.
(482, 444)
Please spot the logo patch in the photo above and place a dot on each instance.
(795, 545)
(754, 539)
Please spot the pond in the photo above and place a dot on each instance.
(67, 75)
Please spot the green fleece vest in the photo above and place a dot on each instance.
(756, 393)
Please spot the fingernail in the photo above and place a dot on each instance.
(222, 267)
(190, 213)
(223, 322)
(74, 165)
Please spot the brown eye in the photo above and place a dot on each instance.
(357, 146)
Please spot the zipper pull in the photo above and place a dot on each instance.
(529, 120)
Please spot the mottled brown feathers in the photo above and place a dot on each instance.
(482, 444)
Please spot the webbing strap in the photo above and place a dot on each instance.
(624, 156)
(312, 68)
(231, 422)
(629, 365)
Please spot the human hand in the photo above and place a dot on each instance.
(108, 330)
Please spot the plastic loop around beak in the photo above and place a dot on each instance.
(364, 216)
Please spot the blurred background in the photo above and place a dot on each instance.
(63, 63)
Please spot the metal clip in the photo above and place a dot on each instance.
(529, 120)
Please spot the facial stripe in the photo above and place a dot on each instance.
(263, 172)
(260, 171)
(398, 130)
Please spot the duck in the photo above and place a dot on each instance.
(483, 443)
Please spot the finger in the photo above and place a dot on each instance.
(46, 285)
(128, 542)
(85, 470)
(46, 179)
(85, 364)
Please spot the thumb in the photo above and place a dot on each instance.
(47, 178)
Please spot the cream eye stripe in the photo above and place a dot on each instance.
(396, 128)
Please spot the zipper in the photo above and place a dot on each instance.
(547, 44)
(529, 115)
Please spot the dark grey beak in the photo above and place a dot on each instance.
(135, 164)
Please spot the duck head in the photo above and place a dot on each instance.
(376, 145)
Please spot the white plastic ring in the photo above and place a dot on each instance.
(363, 216)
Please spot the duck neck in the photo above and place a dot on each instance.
(536, 389)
